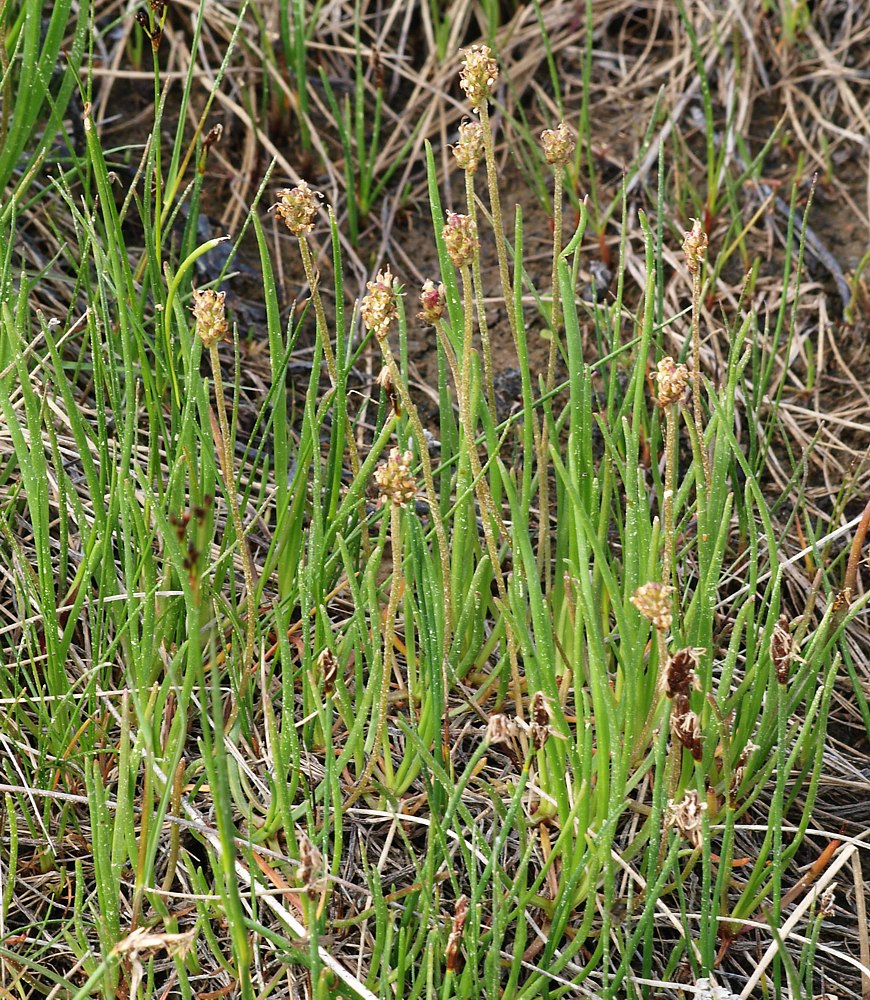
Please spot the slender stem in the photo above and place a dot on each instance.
(543, 444)
(429, 481)
(478, 295)
(696, 374)
(497, 223)
(329, 356)
(670, 478)
(226, 457)
(488, 512)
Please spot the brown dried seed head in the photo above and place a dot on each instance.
(433, 301)
(653, 601)
(310, 863)
(687, 815)
(499, 729)
(210, 315)
(469, 148)
(558, 145)
(460, 912)
(460, 239)
(379, 306)
(327, 664)
(827, 901)
(478, 75)
(782, 650)
(673, 379)
(695, 246)
(680, 671)
(298, 208)
(394, 479)
(686, 727)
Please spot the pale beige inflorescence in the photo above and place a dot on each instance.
(558, 145)
(394, 479)
(298, 208)
(653, 601)
(673, 379)
(695, 246)
(469, 147)
(478, 75)
(433, 301)
(460, 239)
(210, 315)
(379, 306)
(687, 816)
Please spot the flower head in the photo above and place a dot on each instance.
(394, 479)
(680, 675)
(209, 312)
(686, 815)
(558, 144)
(379, 305)
(298, 208)
(695, 246)
(433, 301)
(673, 379)
(478, 75)
(469, 148)
(460, 238)
(653, 601)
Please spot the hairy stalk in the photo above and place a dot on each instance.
(429, 481)
(696, 375)
(695, 249)
(487, 507)
(226, 457)
(544, 559)
(668, 555)
(329, 357)
(478, 295)
(497, 223)
(389, 653)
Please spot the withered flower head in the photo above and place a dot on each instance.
(310, 866)
(298, 208)
(460, 912)
(460, 239)
(695, 246)
(686, 727)
(327, 664)
(558, 145)
(433, 301)
(686, 815)
(672, 379)
(394, 479)
(653, 601)
(469, 148)
(478, 75)
(540, 727)
(210, 315)
(379, 305)
(782, 649)
(680, 671)
(499, 729)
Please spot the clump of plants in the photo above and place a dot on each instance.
(492, 703)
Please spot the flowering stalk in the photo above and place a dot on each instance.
(672, 382)
(468, 151)
(695, 249)
(378, 309)
(397, 488)
(460, 242)
(211, 327)
(478, 78)
(558, 145)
